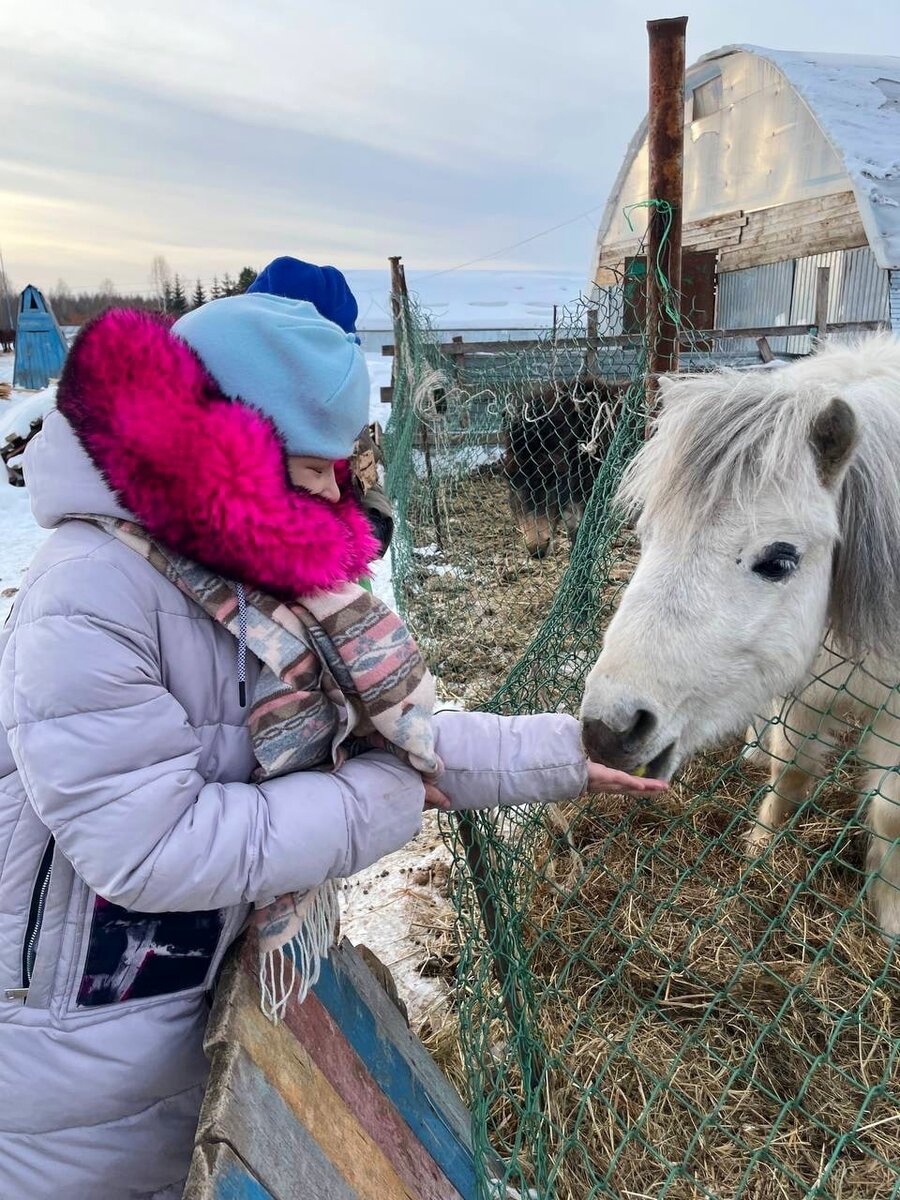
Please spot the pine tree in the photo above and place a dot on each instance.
(246, 277)
(199, 296)
(166, 296)
(215, 292)
(179, 300)
(228, 287)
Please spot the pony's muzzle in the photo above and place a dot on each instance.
(625, 745)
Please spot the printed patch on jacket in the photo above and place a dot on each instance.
(137, 955)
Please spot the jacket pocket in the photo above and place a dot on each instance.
(36, 911)
(137, 956)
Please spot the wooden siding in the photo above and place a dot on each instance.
(749, 239)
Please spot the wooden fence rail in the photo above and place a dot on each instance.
(459, 348)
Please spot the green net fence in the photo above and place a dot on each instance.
(646, 1006)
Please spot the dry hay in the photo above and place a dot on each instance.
(477, 601)
(716, 1022)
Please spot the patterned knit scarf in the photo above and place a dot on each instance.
(340, 674)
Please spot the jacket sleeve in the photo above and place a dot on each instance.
(492, 761)
(110, 764)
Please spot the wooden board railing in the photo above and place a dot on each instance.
(340, 1101)
(458, 348)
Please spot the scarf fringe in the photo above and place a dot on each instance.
(294, 969)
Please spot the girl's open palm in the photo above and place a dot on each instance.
(618, 783)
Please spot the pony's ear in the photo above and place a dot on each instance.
(665, 384)
(833, 436)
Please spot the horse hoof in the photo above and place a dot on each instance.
(758, 838)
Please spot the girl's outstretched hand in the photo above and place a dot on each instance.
(618, 783)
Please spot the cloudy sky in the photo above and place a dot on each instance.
(223, 132)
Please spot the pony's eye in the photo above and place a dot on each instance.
(777, 562)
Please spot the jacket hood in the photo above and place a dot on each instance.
(205, 474)
(62, 480)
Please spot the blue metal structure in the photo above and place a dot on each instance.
(40, 344)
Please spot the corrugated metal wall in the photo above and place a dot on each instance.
(785, 293)
(895, 302)
(755, 296)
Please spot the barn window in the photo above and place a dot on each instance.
(707, 98)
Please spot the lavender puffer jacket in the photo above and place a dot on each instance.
(126, 777)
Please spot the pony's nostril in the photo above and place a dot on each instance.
(643, 725)
(599, 740)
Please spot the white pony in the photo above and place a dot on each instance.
(768, 508)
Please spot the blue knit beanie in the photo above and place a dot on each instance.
(325, 287)
(285, 359)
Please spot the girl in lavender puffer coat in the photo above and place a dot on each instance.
(134, 840)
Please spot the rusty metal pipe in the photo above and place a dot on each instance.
(665, 140)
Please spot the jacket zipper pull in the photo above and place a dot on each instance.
(242, 644)
(16, 994)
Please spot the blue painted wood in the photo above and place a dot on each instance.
(389, 1051)
(236, 1183)
(40, 345)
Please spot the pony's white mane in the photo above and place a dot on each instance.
(723, 436)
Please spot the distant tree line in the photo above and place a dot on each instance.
(169, 293)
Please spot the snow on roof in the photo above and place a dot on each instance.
(855, 100)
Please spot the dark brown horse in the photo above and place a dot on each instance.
(554, 445)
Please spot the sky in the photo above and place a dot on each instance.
(221, 133)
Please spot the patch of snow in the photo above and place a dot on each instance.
(379, 377)
(383, 583)
(24, 410)
(21, 533)
(458, 461)
(445, 569)
(21, 538)
(395, 907)
(431, 551)
(477, 304)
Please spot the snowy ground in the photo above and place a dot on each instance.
(395, 907)
(20, 536)
(471, 299)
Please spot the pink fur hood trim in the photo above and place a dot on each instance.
(204, 474)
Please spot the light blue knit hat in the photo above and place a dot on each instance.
(286, 360)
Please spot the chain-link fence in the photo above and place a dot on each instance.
(647, 1006)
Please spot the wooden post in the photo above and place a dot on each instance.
(396, 309)
(665, 139)
(765, 350)
(554, 323)
(458, 358)
(397, 284)
(821, 312)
